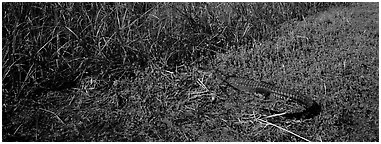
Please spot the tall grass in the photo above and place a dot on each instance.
(53, 45)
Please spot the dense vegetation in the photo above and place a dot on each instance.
(131, 71)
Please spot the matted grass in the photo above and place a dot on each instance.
(131, 71)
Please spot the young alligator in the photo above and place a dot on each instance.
(252, 86)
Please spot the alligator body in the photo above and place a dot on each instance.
(252, 86)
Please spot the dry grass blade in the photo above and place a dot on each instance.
(55, 115)
(275, 115)
(268, 123)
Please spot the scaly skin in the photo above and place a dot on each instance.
(253, 86)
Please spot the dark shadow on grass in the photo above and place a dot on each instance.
(310, 112)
